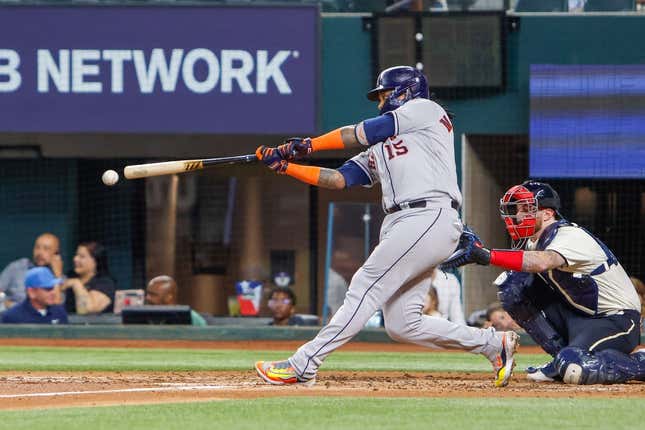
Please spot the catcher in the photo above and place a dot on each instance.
(565, 288)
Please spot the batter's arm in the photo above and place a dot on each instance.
(349, 174)
(331, 179)
(365, 133)
(368, 132)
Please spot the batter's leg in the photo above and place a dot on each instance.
(405, 322)
(412, 243)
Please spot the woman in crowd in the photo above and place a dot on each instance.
(90, 289)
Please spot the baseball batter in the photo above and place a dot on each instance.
(410, 153)
(565, 288)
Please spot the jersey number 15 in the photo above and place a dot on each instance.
(395, 149)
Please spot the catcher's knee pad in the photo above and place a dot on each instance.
(512, 293)
(609, 366)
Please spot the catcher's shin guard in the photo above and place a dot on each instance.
(514, 300)
(609, 366)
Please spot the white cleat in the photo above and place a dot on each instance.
(539, 376)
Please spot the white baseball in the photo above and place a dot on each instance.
(110, 177)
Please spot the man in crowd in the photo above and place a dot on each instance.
(497, 317)
(282, 302)
(448, 291)
(162, 291)
(40, 305)
(46, 253)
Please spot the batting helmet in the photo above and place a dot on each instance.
(528, 198)
(402, 80)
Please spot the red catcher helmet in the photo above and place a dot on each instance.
(515, 198)
(533, 195)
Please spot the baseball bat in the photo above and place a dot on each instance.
(137, 171)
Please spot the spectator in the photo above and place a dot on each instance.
(343, 266)
(498, 318)
(282, 302)
(448, 290)
(431, 304)
(336, 290)
(90, 289)
(162, 290)
(40, 305)
(477, 318)
(12, 279)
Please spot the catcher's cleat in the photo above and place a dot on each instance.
(544, 373)
(538, 376)
(280, 373)
(504, 362)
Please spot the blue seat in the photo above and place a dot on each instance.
(542, 6)
(609, 5)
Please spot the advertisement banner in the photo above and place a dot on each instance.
(159, 69)
(587, 121)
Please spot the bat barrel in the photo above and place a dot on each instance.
(171, 167)
(158, 169)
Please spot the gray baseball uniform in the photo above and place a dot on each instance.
(416, 169)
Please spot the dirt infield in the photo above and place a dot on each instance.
(27, 390)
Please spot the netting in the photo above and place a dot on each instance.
(352, 234)
(213, 228)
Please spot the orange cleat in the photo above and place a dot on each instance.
(280, 373)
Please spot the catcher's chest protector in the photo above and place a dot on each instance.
(579, 289)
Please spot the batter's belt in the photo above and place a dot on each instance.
(415, 204)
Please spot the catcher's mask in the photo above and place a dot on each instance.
(527, 198)
(401, 80)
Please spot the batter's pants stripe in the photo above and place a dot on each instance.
(367, 291)
(604, 339)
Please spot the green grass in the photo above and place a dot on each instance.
(306, 413)
(344, 413)
(124, 359)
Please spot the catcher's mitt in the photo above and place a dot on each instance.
(469, 250)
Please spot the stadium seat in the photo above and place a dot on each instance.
(542, 6)
(609, 5)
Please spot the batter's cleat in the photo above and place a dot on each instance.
(544, 373)
(504, 362)
(280, 373)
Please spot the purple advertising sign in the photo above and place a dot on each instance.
(188, 69)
